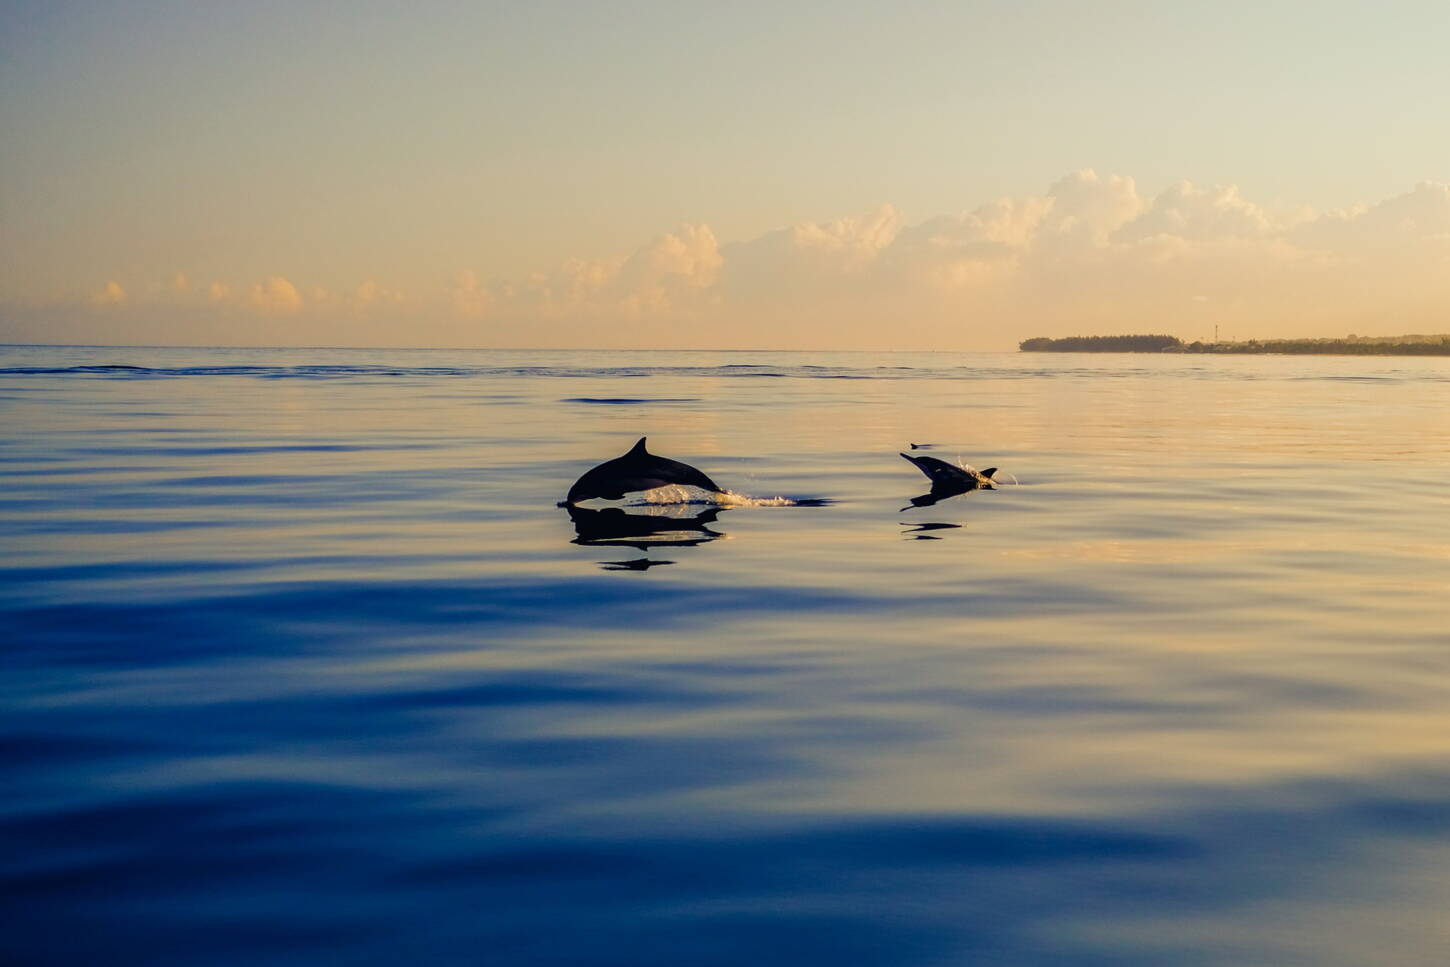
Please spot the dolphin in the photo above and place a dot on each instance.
(636, 470)
(948, 480)
(947, 476)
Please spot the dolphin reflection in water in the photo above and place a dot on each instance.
(948, 480)
(614, 527)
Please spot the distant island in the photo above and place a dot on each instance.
(1413, 345)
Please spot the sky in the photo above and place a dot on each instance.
(703, 175)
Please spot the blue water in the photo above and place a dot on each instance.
(303, 665)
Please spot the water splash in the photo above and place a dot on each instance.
(731, 499)
(1000, 477)
(693, 496)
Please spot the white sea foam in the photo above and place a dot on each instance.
(1000, 477)
(679, 495)
(731, 499)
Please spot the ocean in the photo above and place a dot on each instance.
(303, 664)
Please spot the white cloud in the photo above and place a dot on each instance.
(657, 276)
(812, 266)
(368, 296)
(844, 245)
(469, 296)
(662, 276)
(275, 296)
(371, 293)
(1416, 217)
(112, 294)
(1087, 208)
(1200, 214)
(971, 249)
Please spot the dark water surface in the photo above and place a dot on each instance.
(303, 665)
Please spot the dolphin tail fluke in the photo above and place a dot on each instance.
(988, 472)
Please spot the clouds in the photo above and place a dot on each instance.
(667, 274)
(811, 252)
(682, 263)
(1086, 208)
(1415, 218)
(110, 295)
(1188, 212)
(365, 298)
(469, 297)
(1090, 254)
(969, 250)
(275, 296)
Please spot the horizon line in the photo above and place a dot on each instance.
(511, 349)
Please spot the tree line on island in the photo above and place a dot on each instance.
(1411, 345)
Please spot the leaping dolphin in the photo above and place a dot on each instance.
(636, 470)
(948, 480)
(946, 476)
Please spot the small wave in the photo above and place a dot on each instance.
(64, 370)
(628, 400)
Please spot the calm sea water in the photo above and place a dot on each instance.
(303, 665)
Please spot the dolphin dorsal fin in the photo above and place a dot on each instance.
(638, 449)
